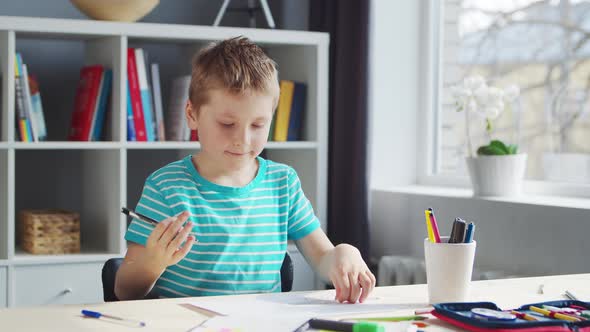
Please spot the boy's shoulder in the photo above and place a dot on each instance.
(175, 169)
(276, 167)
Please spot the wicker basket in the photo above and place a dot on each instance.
(50, 231)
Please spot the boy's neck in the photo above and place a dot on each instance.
(213, 172)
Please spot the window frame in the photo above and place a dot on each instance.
(429, 138)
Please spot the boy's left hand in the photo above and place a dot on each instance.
(350, 275)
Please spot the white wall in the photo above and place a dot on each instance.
(525, 239)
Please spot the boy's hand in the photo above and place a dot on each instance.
(163, 246)
(350, 275)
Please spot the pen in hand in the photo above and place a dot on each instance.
(139, 216)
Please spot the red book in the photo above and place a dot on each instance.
(133, 82)
(194, 135)
(85, 101)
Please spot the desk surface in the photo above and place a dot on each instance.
(169, 315)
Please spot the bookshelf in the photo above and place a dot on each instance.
(97, 178)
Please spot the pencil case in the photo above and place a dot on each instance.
(460, 314)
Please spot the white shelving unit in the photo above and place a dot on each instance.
(97, 178)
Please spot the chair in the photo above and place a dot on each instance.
(110, 267)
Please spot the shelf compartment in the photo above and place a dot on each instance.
(5, 189)
(84, 181)
(48, 58)
(174, 60)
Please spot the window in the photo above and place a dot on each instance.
(542, 46)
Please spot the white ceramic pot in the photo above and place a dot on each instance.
(497, 175)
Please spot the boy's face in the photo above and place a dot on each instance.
(233, 128)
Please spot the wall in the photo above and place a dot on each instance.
(523, 239)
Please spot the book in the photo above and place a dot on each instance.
(294, 133)
(85, 102)
(284, 110)
(23, 127)
(145, 94)
(130, 123)
(138, 120)
(101, 106)
(27, 102)
(157, 96)
(38, 115)
(175, 119)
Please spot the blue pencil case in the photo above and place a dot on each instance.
(528, 318)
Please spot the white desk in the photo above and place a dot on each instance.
(168, 315)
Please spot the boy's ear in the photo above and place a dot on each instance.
(191, 115)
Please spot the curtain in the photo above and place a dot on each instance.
(347, 21)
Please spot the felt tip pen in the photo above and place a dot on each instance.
(435, 231)
(139, 216)
(338, 326)
(524, 316)
(96, 314)
(469, 232)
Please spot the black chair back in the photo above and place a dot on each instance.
(110, 267)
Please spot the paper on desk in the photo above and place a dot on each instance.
(312, 304)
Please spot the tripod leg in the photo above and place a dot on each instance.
(267, 14)
(221, 12)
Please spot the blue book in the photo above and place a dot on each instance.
(101, 109)
(130, 124)
(297, 112)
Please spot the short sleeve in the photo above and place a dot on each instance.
(302, 220)
(151, 204)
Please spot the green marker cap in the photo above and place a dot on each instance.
(368, 327)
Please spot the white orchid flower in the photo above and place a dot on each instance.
(482, 95)
(511, 93)
(473, 82)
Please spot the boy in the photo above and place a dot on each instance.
(241, 208)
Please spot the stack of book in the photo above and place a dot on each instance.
(287, 122)
(91, 104)
(30, 121)
(145, 119)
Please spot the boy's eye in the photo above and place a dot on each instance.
(258, 125)
(226, 124)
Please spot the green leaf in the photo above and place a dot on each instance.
(490, 150)
(488, 125)
(500, 145)
(512, 149)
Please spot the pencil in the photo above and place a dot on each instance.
(523, 315)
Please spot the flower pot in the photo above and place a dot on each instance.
(497, 175)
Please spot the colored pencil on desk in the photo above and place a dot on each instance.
(554, 314)
(434, 226)
(429, 226)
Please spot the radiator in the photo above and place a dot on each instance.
(407, 270)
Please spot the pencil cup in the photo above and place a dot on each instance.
(448, 270)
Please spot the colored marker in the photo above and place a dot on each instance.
(554, 314)
(469, 232)
(458, 231)
(523, 315)
(434, 225)
(428, 226)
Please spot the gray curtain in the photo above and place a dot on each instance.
(347, 21)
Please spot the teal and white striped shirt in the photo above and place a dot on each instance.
(242, 232)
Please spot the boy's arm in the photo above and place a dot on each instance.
(341, 264)
(143, 265)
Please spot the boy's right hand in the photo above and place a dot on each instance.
(163, 246)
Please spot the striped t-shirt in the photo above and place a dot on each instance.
(242, 232)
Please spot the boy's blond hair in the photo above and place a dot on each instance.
(237, 65)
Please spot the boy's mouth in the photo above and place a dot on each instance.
(237, 154)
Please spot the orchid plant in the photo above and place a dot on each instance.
(475, 97)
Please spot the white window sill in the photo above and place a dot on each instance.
(462, 193)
